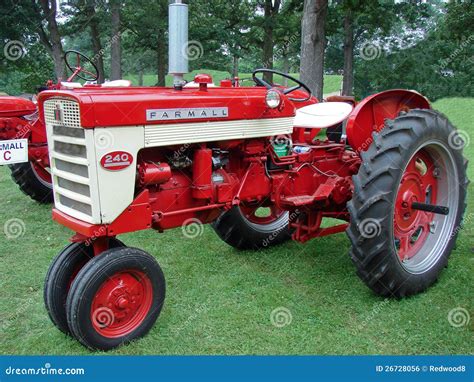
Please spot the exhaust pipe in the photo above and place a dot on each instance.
(178, 40)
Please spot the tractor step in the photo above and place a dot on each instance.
(322, 193)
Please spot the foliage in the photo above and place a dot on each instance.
(421, 45)
(439, 65)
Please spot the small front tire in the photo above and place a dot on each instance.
(115, 298)
(61, 273)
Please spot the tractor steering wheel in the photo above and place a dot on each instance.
(77, 68)
(262, 82)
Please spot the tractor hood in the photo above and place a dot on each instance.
(15, 106)
(101, 107)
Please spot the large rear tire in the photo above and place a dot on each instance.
(399, 250)
(33, 181)
(243, 228)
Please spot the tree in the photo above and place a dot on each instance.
(147, 23)
(287, 37)
(313, 44)
(437, 63)
(52, 38)
(95, 34)
(115, 41)
(366, 24)
(348, 78)
(271, 9)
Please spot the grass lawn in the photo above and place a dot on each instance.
(332, 83)
(219, 300)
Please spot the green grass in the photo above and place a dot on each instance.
(219, 300)
(332, 83)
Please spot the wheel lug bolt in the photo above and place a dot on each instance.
(122, 303)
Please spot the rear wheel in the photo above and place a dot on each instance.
(33, 180)
(253, 227)
(61, 273)
(408, 204)
(115, 298)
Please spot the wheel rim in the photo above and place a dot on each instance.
(420, 238)
(42, 174)
(261, 216)
(121, 303)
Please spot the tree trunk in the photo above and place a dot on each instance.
(53, 42)
(286, 66)
(313, 44)
(95, 40)
(270, 12)
(140, 77)
(235, 66)
(115, 42)
(161, 60)
(348, 79)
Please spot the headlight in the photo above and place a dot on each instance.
(273, 99)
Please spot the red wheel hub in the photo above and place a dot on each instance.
(418, 184)
(261, 215)
(121, 303)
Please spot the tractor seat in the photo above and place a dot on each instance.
(71, 85)
(107, 84)
(322, 115)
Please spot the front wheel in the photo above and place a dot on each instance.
(408, 203)
(115, 298)
(61, 273)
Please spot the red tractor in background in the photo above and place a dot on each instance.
(23, 139)
(124, 160)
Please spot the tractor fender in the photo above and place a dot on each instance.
(15, 107)
(370, 114)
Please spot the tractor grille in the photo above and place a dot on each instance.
(72, 154)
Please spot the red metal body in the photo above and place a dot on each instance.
(311, 185)
(19, 119)
(371, 113)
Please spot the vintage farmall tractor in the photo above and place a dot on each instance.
(124, 160)
(23, 142)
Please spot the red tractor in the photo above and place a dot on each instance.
(124, 160)
(23, 142)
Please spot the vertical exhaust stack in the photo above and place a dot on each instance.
(178, 40)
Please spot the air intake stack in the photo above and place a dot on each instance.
(178, 40)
